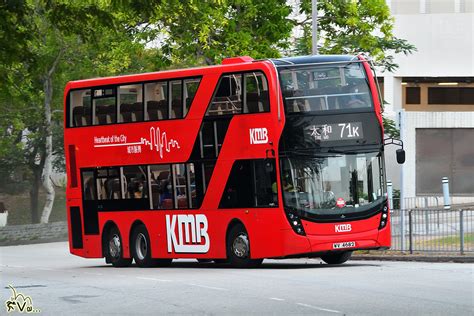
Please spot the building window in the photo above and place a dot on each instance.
(412, 95)
(461, 95)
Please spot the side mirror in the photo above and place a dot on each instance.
(400, 156)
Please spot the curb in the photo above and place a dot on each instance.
(30, 242)
(456, 259)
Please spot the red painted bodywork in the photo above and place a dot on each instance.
(268, 228)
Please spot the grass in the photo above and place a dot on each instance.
(449, 241)
(19, 207)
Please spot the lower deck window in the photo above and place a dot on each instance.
(251, 183)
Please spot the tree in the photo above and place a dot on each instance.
(353, 26)
(63, 46)
(205, 32)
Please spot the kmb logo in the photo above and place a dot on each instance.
(258, 135)
(194, 229)
(343, 228)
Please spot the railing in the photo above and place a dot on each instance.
(419, 202)
(433, 230)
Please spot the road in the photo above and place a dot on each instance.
(60, 283)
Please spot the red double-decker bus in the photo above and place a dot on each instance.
(234, 163)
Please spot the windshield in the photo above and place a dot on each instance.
(326, 87)
(335, 184)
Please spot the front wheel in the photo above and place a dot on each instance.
(114, 249)
(238, 248)
(337, 258)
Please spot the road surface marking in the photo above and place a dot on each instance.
(319, 308)
(208, 287)
(276, 299)
(154, 279)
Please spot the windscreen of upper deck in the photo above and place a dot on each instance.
(325, 87)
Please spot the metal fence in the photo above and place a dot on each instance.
(419, 202)
(433, 230)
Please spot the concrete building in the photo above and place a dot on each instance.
(432, 95)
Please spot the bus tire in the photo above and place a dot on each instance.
(238, 248)
(337, 258)
(141, 249)
(114, 249)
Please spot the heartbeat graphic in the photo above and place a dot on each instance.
(158, 141)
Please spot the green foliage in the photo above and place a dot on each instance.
(353, 26)
(390, 128)
(15, 30)
(205, 32)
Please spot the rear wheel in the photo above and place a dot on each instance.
(114, 249)
(141, 249)
(337, 258)
(238, 248)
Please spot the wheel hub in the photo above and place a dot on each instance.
(114, 246)
(141, 246)
(240, 246)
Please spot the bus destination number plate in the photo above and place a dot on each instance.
(347, 244)
(332, 132)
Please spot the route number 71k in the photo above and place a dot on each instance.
(349, 131)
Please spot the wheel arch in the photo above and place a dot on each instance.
(235, 222)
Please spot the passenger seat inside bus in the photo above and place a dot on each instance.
(131, 112)
(126, 112)
(176, 108)
(137, 111)
(105, 114)
(157, 110)
(78, 116)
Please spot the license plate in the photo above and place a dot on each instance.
(347, 244)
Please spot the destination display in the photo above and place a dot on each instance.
(334, 132)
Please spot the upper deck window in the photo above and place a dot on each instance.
(80, 109)
(104, 106)
(327, 87)
(130, 105)
(169, 99)
(240, 93)
(134, 102)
